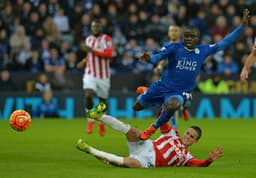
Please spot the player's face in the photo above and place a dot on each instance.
(96, 28)
(174, 33)
(190, 38)
(189, 137)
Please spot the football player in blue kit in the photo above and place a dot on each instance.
(184, 64)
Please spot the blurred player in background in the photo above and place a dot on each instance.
(96, 79)
(250, 60)
(168, 150)
(184, 62)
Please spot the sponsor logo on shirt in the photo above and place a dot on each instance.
(186, 65)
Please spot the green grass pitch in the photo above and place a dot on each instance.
(47, 150)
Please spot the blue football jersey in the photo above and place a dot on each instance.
(184, 65)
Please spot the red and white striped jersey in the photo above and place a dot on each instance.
(170, 151)
(97, 64)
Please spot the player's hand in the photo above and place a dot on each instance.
(145, 57)
(157, 70)
(81, 64)
(244, 75)
(245, 17)
(88, 48)
(216, 153)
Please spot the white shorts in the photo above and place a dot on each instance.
(99, 86)
(144, 152)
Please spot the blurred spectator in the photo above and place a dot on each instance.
(156, 29)
(228, 66)
(34, 63)
(75, 14)
(65, 48)
(48, 108)
(42, 84)
(143, 21)
(53, 6)
(6, 83)
(118, 37)
(42, 12)
(127, 64)
(181, 17)
(45, 50)
(4, 47)
(133, 49)
(214, 85)
(239, 51)
(60, 81)
(16, 23)
(25, 12)
(71, 62)
(54, 62)
(159, 7)
(81, 52)
(50, 29)
(33, 24)
(220, 27)
(210, 66)
(17, 7)
(19, 41)
(82, 29)
(61, 21)
(7, 15)
(14, 64)
(230, 13)
(201, 23)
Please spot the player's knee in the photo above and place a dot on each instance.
(137, 106)
(133, 135)
(131, 163)
(88, 93)
(173, 105)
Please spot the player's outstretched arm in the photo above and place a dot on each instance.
(248, 64)
(81, 64)
(230, 38)
(160, 67)
(216, 153)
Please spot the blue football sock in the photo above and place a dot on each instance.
(164, 117)
(173, 122)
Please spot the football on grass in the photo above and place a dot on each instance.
(20, 120)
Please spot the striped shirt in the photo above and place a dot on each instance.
(170, 151)
(97, 65)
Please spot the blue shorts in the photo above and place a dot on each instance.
(157, 94)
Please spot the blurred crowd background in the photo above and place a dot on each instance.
(34, 31)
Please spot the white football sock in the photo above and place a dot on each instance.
(90, 120)
(115, 123)
(104, 156)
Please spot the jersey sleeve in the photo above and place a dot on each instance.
(225, 42)
(165, 51)
(107, 49)
(198, 163)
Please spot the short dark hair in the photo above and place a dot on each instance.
(194, 29)
(198, 131)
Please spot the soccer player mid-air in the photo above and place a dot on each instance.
(174, 34)
(184, 64)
